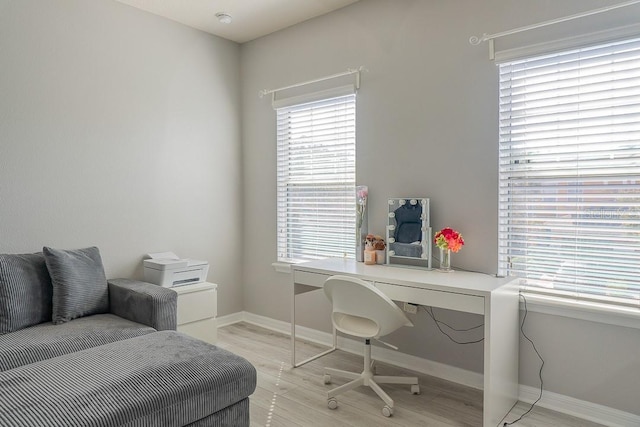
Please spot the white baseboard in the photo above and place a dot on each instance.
(392, 357)
(230, 319)
(567, 405)
(579, 408)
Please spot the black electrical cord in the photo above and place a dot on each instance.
(433, 316)
(429, 311)
(524, 318)
(438, 322)
(541, 365)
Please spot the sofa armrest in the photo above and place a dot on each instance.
(144, 303)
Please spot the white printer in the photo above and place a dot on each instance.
(168, 270)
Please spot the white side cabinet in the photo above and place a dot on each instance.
(197, 310)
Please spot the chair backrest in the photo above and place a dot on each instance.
(361, 309)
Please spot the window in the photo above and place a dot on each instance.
(316, 179)
(569, 177)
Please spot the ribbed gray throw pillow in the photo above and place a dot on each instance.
(79, 283)
(25, 291)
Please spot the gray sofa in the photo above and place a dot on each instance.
(73, 353)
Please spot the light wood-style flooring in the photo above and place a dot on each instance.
(287, 397)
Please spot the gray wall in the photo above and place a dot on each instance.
(426, 126)
(119, 129)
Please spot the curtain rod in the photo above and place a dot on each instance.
(474, 40)
(349, 71)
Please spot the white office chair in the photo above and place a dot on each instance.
(362, 310)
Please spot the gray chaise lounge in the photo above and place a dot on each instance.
(66, 360)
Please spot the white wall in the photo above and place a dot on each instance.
(119, 129)
(426, 126)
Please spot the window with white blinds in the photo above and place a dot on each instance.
(316, 179)
(569, 178)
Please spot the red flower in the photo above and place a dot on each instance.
(448, 238)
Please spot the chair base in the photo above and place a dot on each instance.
(367, 378)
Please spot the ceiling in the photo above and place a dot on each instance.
(251, 18)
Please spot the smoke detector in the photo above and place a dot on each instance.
(224, 18)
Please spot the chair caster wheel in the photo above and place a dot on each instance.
(415, 389)
(327, 379)
(332, 403)
(387, 411)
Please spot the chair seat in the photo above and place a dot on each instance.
(355, 325)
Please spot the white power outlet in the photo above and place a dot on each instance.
(410, 308)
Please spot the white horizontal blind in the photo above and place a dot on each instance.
(316, 179)
(569, 202)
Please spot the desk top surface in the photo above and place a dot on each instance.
(457, 281)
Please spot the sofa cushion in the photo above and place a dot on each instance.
(25, 291)
(47, 340)
(79, 283)
(160, 379)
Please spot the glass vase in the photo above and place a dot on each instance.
(445, 260)
(362, 221)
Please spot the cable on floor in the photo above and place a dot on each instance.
(539, 357)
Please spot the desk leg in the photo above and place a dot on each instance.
(501, 353)
(298, 289)
(293, 324)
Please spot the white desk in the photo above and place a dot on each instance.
(495, 298)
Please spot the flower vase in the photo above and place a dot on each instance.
(445, 260)
(361, 238)
(362, 220)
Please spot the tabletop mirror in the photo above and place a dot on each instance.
(409, 232)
